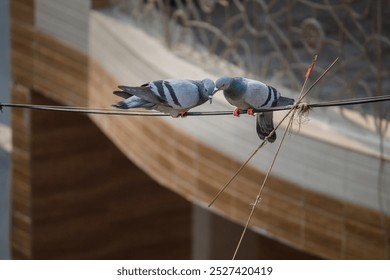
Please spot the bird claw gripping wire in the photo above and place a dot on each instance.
(1, 107)
(182, 114)
(250, 112)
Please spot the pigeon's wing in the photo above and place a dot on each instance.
(145, 92)
(183, 93)
(122, 94)
(264, 126)
(260, 95)
(285, 101)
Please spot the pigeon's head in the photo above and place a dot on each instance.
(210, 88)
(223, 83)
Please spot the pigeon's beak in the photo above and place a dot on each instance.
(211, 95)
(215, 91)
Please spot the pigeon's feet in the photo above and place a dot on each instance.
(236, 112)
(183, 114)
(250, 112)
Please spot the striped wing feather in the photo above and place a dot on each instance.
(145, 93)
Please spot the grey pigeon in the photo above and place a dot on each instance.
(247, 94)
(174, 97)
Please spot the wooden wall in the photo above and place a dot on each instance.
(21, 220)
(66, 20)
(216, 238)
(98, 4)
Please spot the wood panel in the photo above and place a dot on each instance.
(98, 4)
(215, 238)
(23, 11)
(38, 63)
(21, 239)
(62, 75)
(67, 21)
(22, 42)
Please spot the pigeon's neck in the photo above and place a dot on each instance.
(236, 89)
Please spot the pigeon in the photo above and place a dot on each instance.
(247, 94)
(171, 96)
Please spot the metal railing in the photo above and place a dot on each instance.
(277, 39)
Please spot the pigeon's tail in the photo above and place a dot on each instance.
(121, 105)
(122, 94)
(144, 92)
(132, 102)
(264, 126)
(285, 101)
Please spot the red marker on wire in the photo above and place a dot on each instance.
(311, 66)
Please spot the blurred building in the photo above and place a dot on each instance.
(5, 132)
(113, 187)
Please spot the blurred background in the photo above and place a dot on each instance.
(5, 136)
(77, 186)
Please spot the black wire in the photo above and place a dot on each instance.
(344, 102)
(85, 110)
(108, 111)
(105, 111)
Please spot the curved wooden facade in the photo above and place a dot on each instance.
(79, 183)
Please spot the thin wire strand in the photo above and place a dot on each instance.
(238, 171)
(258, 197)
(307, 75)
(293, 111)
